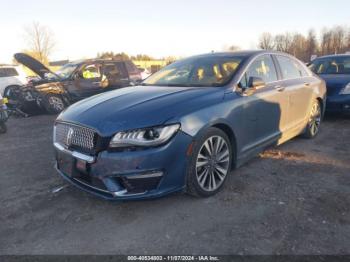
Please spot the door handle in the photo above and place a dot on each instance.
(279, 88)
(306, 84)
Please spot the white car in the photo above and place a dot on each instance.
(11, 75)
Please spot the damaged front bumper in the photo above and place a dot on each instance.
(138, 174)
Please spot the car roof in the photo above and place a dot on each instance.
(7, 65)
(247, 53)
(92, 60)
(330, 56)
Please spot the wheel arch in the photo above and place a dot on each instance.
(233, 140)
(8, 87)
(322, 103)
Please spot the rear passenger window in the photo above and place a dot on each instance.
(8, 72)
(263, 67)
(111, 70)
(290, 68)
(131, 67)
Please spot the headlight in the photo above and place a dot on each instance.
(345, 90)
(152, 136)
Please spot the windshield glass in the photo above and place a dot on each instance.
(66, 70)
(331, 65)
(198, 71)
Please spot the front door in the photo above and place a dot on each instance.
(88, 81)
(265, 109)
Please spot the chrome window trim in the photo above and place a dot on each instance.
(279, 80)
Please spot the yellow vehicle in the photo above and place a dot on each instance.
(3, 114)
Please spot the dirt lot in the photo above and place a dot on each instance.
(294, 199)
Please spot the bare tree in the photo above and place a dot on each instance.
(339, 39)
(40, 41)
(266, 41)
(283, 42)
(335, 40)
(326, 42)
(233, 48)
(312, 44)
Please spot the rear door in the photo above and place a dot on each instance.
(116, 74)
(133, 71)
(297, 83)
(88, 81)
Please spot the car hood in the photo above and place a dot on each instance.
(335, 82)
(138, 106)
(32, 64)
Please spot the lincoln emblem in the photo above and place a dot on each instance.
(69, 136)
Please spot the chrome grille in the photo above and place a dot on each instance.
(70, 135)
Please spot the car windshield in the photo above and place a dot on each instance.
(331, 65)
(198, 71)
(66, 70)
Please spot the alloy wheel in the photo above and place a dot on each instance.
(315, 118)
(212, 163)
(56, 103)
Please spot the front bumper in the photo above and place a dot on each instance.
(338, 104)
(139, 174)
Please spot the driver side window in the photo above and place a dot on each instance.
(91, 71)
(263, 67)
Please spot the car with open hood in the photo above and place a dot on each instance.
(54, 91)
(335, 70)
(186, 126)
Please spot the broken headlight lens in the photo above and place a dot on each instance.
(152, 136)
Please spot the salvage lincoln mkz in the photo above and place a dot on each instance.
(186, 126)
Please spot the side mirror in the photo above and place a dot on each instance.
(256, 82)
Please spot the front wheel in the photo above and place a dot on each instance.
(3, 128)
(54, 104)
(314, 122)
(210, 163)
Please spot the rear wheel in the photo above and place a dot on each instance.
(314, 122)
(53, 103)
(210, 163)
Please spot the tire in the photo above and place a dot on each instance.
(314, 121)
(3, 128)
(54, 104)
(210, 163)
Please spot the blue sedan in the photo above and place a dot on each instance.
(335, 70)
(188, 125)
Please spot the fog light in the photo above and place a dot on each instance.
(81, 165)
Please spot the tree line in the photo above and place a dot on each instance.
(335, 40)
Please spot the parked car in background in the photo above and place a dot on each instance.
(144, 72)
(187, 125)
(11, 76)
(74, 81)
(335, 70)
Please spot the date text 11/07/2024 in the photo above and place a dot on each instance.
(173, 258)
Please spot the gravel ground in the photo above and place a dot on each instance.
(293, 199)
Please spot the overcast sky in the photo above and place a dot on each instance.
(160, 27)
